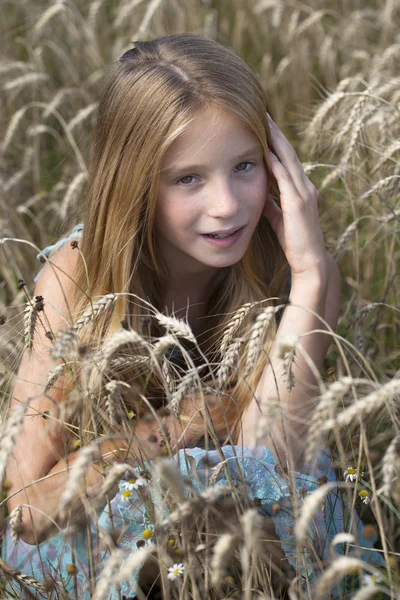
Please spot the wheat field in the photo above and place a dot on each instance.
(331, 71)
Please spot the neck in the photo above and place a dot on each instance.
(187, 299)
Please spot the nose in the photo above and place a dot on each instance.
(222, 200)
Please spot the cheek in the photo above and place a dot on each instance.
(172, 218)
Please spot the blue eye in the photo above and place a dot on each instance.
(189, 176)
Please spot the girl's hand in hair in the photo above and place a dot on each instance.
(296, 223)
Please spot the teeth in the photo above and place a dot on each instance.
(220, 235)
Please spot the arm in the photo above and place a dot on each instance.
(315, 286)
(321, 295)
(38, 466)
(44, 492)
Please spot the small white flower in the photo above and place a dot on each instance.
(364, 495)
(175, 571)
(126, 496)
(351, 474)
(133, 484)
(371, 579)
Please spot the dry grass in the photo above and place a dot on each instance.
(331, 72)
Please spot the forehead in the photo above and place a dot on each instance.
(211, 131)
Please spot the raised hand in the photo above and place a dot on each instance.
(296, 223)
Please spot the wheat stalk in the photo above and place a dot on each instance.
(367, 592)
(12, 128)
(135, 560)
(54, 374)
(223, 550)
(272, 409)
(177, 326)
(325, 409)
(392, 149)
(72, 193)
(365, 406)
(25, 80)
(113, 401)
(185, 386)
(15, 522)
(94, 311)
(383, 185)
(50, 13)
(120, 338)
(390, 466)
(64, 342)
(114, 475)
(257, 336)
(252, 523)
(162, 345)
(286, 346)
(10, 432)
(108, 574)
(124, 12)
(30, 317)
(229, 361)
(234, 324)
(81, 115)
(168, 471)
(186, 509)
(152, 6)
(342, 566)
(25, 580)
(344, 238)
(311, 503)
(86, 457)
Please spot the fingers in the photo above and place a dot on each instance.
(288, 158)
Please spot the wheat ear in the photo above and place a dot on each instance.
(113, 401)
(30, 317)
(185, 386)
(257, 336)
(391, 465)
(10, 432)
(234, 324)
(223, 550)
(15, 522)
(310, 505)
(120, 338)
(229, 362)
(365, 406)
(344, 565)
(108, 574)
(177, 326)
(325, 409)
(86, 457)
(207, 498)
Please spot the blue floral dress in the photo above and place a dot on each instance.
(264, 482)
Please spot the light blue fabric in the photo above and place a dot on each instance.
(49, 251)
(130, 516)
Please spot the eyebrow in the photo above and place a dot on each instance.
(178, 168)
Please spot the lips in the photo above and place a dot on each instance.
(221, 232)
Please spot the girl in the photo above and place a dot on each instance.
(197, 207)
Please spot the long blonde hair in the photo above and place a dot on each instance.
(152, 95)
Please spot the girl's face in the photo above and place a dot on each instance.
(213, 178)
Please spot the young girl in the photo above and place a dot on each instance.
(197, 206)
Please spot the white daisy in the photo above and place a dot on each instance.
(126, 496)
(133, 484)
(175, 571)
(364, 495)
(371, 579)
(351, 474)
